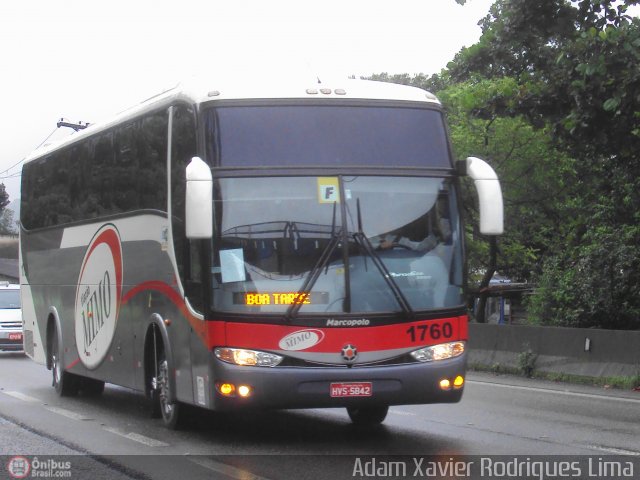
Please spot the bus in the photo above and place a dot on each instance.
(237, 246)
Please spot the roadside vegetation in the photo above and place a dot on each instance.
(621, 382)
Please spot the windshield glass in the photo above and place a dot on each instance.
(279, 236)
(329, 135)
(10, 298)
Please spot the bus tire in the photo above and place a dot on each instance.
(66, 384)
(156, 411)
(367, 416)
(170, 411)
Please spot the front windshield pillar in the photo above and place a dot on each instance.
(345, 247)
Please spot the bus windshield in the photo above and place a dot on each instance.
(278, 238)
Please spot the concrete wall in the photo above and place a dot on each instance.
(578, 351)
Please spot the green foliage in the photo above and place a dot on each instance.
(596, 284)
(527, 361)
(4, 197)
(550, 96)
(571, 72)
(532, 174)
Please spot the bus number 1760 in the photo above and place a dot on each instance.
(435, 331)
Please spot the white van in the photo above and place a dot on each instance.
(10, 317)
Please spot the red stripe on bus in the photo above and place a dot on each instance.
(386, 337)
(168, 291)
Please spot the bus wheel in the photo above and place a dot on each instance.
(65, 383)
(367, 415)
(170, 411)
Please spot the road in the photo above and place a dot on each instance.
(497, 416)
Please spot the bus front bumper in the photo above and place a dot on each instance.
(319, 387)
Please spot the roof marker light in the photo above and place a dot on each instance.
(326, 91)
(312, 91)
(340, 91)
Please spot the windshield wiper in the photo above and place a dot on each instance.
(315, 272)
(362, 240)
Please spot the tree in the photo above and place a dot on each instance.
(575, 68)
(4, 197)
(7, 223)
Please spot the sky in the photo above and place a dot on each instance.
(87, 60)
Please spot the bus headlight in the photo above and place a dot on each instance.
(439, 352)
(243, 357)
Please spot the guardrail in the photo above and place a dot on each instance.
(574, 351)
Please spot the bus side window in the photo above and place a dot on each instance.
(126, 165)
(152, 161)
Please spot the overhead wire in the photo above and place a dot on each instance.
(18, 174)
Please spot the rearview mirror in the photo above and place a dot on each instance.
(199, 200)
(489, 196)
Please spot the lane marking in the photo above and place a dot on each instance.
(226, 470)
(402, 412)
(559, 392)
(136, 437)
(65, 413)
(615, 451)
(22, 396)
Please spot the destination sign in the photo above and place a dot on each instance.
(260, 299)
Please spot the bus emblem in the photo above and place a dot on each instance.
(349, 353)
(98, 296)
(301, 340)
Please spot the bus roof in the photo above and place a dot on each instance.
(200, 90)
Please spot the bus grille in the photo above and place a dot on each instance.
(11, 325)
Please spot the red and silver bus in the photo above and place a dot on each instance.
(235, 246)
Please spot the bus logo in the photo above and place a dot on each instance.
(349, 353)
(301, 340)
(98, 296)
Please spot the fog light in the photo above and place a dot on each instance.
(226, 389)
(458, 381)
(244, 391)
(445, 384)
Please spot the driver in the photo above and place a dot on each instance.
(388, 241)
(395, 238)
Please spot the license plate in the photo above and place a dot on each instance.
(351, 389)
(15, 336)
